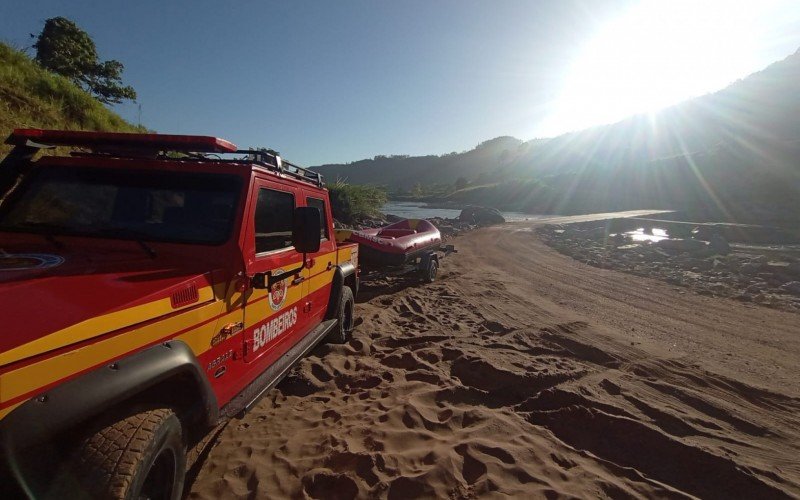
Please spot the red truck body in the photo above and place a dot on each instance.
(80, 300)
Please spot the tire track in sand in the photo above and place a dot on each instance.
(524, 383)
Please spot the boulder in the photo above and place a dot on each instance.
(679, 231)
(792, 287)
(718, 287)
(596, 232)
(481, 216)
(702, 265)
(719, 244)
(341, 225)
(685, 245)
(393, 218)
(750, 268)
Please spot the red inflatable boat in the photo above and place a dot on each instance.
(395, 244)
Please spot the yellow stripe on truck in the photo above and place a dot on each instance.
(320, 281)
(259, 311)
(6, 411)
(99, 325)
(31, 377)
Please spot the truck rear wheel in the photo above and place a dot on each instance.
(141, 456)
(344, 326)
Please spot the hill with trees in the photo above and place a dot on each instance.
(65, 49)
(730, 155)
(401, 173)
(63, 87)
(31, 96)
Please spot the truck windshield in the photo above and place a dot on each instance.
(179, 207)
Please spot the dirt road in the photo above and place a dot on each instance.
(523, 372)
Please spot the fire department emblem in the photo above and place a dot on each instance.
(25, 261)
(277, 294)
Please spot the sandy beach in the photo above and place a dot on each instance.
(522, 372)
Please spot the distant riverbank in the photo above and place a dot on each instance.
(421, 210)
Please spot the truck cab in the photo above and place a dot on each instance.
(163, 279)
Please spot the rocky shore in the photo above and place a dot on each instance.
(761, 274)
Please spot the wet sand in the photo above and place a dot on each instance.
(524, 373)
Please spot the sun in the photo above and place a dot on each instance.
(658, 53)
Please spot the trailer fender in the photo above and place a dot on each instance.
(426, 258)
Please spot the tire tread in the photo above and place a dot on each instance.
(339, 335)
(107, 460)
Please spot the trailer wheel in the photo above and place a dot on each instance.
(430, 271)
(344, 326)
(141, 456)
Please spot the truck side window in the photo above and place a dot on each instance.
(320, 204)
(273, 220)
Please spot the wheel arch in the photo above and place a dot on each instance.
(343, 275)
(167, 373)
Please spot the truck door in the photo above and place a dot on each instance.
(274, 321)
(322, 263)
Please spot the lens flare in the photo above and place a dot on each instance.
(656, 54)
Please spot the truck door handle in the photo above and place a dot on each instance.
(298, 280)
(330, 266)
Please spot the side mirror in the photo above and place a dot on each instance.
(306, 228)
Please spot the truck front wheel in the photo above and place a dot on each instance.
(344, 326)
(141, 456)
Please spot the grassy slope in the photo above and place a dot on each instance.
(33, 97)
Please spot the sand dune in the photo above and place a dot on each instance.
(524, 373)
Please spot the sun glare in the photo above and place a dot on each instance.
(658, 53)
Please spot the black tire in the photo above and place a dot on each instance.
(344, 326)
(430, 272)
(141, 456)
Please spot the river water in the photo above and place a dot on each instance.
(416, 210)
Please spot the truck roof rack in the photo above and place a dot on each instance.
(272, 160)
(126, 143)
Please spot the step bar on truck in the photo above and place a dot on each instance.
(270, 377)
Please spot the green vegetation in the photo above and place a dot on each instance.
(421, 192)
(31, 96)
(419, 177)
(528, 195)
(352, 202)
(67, 50)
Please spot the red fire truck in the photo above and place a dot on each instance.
(152, 286)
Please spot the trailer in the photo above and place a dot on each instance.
(404, 247)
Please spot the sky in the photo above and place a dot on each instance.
(330, 82)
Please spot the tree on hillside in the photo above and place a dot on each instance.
(63, 48)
